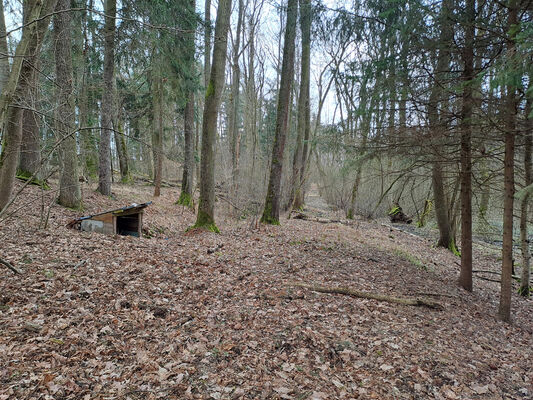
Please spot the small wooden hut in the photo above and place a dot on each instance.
(125, 221)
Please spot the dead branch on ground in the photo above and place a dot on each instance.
(10, 266)
(371, 296)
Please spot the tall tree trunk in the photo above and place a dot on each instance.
(4, 59)
(206, 206)
(89, 158)
(465, 277)
(272, 208)
(207, 42)
(69, 184)
(13, 94)
(187, 183)
(120, 141)
(122, 149)
(233, 120)
(304, 115)
(504, 311)
(187, 187)
(30, 147)
(157, 131)
(437, 126)
(104, 159)
(524, 205)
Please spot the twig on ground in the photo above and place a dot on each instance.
(10, 266)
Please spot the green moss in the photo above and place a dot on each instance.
(350, 215)
(204, 221)
(186, 200)
(394, 210)
(128, 180)
(27, 176)
(267, 217)
(427, 209)
(210, 90)
(410, 258)
(453, 248)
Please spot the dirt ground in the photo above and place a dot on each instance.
(218, 316)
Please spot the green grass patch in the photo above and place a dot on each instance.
(410, 258)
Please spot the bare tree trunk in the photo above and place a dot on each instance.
(187, 186)
(524, 206)
(104, 159)
(272, 208)
(120, 141)
(233, 120)
(69, 184)
(465, 277)
(13, 95)
(207, 42)
(157, 131)
(504, 312)
(89, 161)
(206, 206)
(437, 125)
(4, 59)
(30, 147)
(304, 115)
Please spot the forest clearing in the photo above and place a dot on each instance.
(217, 316)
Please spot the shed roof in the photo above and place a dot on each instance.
(131, 208)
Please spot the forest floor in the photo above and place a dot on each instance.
(200, 315)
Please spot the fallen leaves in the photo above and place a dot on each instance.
(201, 315)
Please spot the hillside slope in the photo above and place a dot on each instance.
(200, 315)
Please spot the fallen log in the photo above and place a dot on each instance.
(306, 217)
(372, 296)
(10, 266)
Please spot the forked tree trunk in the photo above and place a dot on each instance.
(104, 150)
(69, 184)
(272, 208)
(206, 207)
(524, 206)
(504, 311)
(465, 277)
(14, 94)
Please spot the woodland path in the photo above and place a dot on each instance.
(200, 315)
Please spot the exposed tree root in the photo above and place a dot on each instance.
(10, 266)
(372, 296)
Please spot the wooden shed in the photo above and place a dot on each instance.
(125, 221)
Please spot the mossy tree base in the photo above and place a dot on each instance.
(185, 200)
(204, 221)
(350, 214)
(453, 248)
(267, 217)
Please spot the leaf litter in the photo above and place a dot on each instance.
(198, 315)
